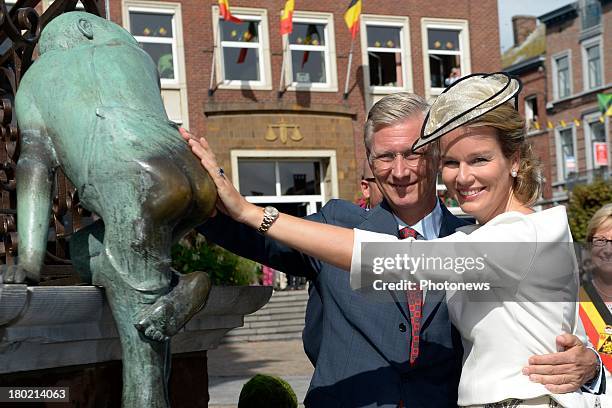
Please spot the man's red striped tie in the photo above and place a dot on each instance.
(415, 303)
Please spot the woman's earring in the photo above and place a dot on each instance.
(513, 173)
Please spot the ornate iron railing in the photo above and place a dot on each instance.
(20, 27)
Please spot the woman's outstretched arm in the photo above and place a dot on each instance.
(328, 243)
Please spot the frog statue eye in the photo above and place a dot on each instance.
(85, 28)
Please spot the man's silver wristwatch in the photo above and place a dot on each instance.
(270, 215)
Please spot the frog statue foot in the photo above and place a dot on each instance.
(170, 312)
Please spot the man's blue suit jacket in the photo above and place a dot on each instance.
(359, 346)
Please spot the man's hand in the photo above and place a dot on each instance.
(565, 371)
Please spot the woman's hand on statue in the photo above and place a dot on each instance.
(230, 201)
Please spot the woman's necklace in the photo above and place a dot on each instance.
(601, 291)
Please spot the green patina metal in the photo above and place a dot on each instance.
(91, 104)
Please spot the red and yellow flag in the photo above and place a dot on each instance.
(224, 11)
(286, 26)
(597, 323)
(351, 17)
(247, 36)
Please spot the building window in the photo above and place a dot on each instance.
(446, 45)
(562, 76)
(311, 59)
(385, 56)
(567, 163)
(531, 112)
(592, 63)
(594, 133)
(293, 183)
(591, 13)
(242, 51)
(279, 178)
(158, 29)
(155, 31)
(309, 53)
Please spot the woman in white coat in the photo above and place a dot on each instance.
(489, 168)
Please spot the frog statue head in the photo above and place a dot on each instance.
(79, 29)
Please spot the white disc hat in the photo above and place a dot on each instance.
(465, 100)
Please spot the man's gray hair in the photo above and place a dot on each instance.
(392, 110)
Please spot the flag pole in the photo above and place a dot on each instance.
(281, 85)
(212, 86)
(348, 69)
(211, 90)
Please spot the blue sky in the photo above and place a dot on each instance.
(509, 8)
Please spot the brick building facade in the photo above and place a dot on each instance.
(301, 146)
(579, 67)
(527, 60)
(564, 63)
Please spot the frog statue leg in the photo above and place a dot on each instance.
(35, 173)
(144, 208)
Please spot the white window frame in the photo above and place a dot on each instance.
(403, 23)
(154, 8)
(588, 151)
(47, 3)
(596, 41)
(265, 75)
(329, 185)
(555, 76)
(329, 51)
(530, 117)
(582, 5)
(530, 101)
(559, 152)
(179, 83)
(464, 46)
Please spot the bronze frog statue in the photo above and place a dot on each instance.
(91, 105)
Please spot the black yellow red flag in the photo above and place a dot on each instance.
(224, 11)
(247, 36)
(351, 17)
(597, 321)
(286, 26)
(311, 33)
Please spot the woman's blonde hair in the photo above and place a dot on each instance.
(511, 131)
(602, 217)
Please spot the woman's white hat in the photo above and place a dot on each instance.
(465, 100)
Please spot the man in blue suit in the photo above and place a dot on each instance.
(360, 347)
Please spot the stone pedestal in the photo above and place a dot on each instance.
(66, 337)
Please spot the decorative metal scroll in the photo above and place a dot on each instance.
(20, 27)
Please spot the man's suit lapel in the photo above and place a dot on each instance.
(380, 219)
(434, 297)
(449, 222)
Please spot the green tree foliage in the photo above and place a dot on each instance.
(194, 253)
(267, 391)
(584, 201)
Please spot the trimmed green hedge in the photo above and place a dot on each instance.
(194, 253)
(267, 391)
(584, 201)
